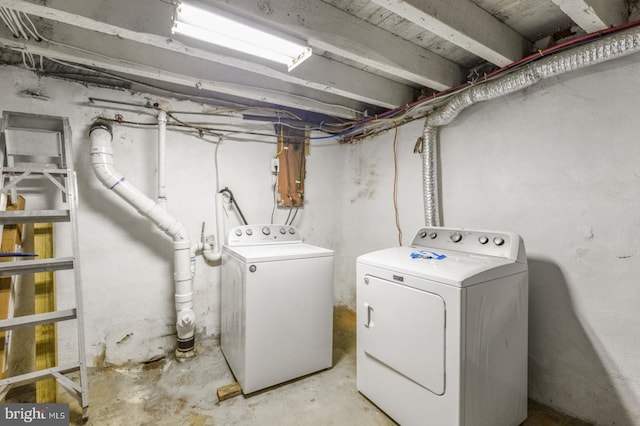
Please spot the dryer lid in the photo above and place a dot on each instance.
(444, 266)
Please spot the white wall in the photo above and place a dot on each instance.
(127, 264)
(368, 213)
(558, 163)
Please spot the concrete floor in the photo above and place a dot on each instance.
(169, 393)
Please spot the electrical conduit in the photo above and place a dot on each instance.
(610, 47)
(162, 150)
(100, 135)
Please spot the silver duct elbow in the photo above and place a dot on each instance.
(607, 48)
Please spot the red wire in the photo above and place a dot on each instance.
(540, 53)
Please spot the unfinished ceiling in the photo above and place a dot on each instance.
(369, 56)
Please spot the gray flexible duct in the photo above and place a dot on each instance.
(609, 47)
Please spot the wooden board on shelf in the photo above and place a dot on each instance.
(11, 241)
(45, 301)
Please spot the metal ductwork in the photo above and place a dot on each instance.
(610, 47)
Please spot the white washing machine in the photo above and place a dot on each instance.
(442, 329)
(277, 306)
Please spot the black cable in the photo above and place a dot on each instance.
(294, 216)
(233, 200)
(286, 222)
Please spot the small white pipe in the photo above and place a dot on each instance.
(215, 256)
(211, 252)
(162, 153)
(102, 160)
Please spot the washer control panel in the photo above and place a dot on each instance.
(491, 243)
(263, 234)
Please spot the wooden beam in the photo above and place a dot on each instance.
(229, 391)
(595, 15)
(324, 104)
(11, 240)
(316, 73)
(464, 24)
(292, 150)
(45, 301)
(329, 29)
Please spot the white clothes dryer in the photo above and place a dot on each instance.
(442, 329)
(277, 306)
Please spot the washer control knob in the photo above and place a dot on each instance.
(292, 231)
(483, 239)
(433, 235)
(249, 231)
(266, 230)
(283, 231)
(498, 241)
(422, 234)
(456, 237)
(239, 232)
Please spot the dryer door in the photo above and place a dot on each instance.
(404, 328)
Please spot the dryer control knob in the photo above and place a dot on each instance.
(292, 231)
(456, 237)
(283, 231)
(498, 241)
(266, 230)
(433, 235)
(483, 239)
(249, 231)
(238, 232)
(422, 234)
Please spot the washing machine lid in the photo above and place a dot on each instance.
(276, 252)
(444, 266)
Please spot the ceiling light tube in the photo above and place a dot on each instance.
(215, 28)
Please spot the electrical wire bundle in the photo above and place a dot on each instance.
(21, 26)
(370, 126)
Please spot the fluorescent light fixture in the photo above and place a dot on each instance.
(217, 29)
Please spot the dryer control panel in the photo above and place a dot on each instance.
(263, 234)
(490, 243)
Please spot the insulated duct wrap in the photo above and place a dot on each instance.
(430, 176)
(613, 46)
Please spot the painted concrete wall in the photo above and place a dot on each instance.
(127, 265)
(558, 163)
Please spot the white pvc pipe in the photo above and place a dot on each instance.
(211, 252)
(162, 152)
(102, 161)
